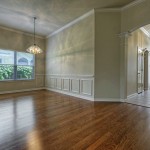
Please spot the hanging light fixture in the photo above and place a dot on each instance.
(34, 49)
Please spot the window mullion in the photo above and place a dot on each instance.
(15, 66)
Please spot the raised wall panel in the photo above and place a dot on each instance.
(86, 87)
(79, 86)
(58, 83)
(47, 81)
(52, 82)
(75, 85)
(66, 84)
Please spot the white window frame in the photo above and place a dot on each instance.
(15, 68)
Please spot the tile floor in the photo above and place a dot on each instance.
(142, 99)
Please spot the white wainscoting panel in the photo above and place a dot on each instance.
(58, 83)
(52, 82)
(86, 87)
(79, 86)
(66, 84)
(75, 86)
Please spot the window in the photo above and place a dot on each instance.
(22, 61)
(16, 65)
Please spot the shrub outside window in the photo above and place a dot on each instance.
(16, 65)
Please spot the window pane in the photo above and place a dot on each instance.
(6, 72)
(25, 72)
(6, 57)
(25, 59)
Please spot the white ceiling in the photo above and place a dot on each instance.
(51, 14)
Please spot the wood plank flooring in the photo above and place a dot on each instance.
(43, 120)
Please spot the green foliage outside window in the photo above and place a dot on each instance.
(6, 72)
(23, 72)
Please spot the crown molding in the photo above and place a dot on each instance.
(108, 10)
(21, 32)
(120, 9)
(132, 4)
(145, 31)
(72, 23)
(124, 34)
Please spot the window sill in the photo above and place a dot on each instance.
(17, 80)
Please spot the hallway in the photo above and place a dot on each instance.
(142, 99)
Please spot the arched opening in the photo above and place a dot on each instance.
(138, 66)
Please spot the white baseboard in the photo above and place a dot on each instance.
(108, 100)
(71, 94)
(87, 98)
(68, 93)
(132, 95)
(122, 100)
(23, 90)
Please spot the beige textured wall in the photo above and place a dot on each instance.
(10, 40)
(132, 18)
(136, 16)
(71, 51)
(107, 55)
(137, 39)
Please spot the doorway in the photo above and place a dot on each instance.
(138, 68)
(142, 70)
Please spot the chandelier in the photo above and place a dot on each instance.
(34, 49)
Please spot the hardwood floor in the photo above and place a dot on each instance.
(44, 120)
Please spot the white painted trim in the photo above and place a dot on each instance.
(52, 79)
(122, 100)
(72, 23)
(23, 90)
(70, 76)
(63, 87)
(59, 88)
(145, 31)
(81, 87)
(132, 4)
(132, 95)
(108, 100)
(71, 86)
(66, 93)
(124, 34)
(71, 94)
(21, 32)
(108, 10)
